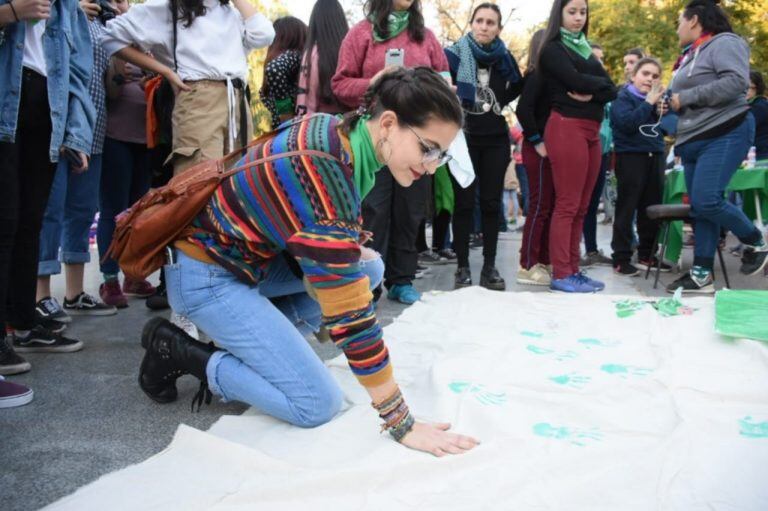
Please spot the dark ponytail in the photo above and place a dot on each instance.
(415, 95)
(188, 10)
(712, 17)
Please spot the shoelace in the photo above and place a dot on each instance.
(203, 395)
(581, 277)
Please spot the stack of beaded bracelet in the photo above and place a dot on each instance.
(396, 415)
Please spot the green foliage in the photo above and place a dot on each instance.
(619, 25)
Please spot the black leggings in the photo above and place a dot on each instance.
(490, 163)
(26, 176)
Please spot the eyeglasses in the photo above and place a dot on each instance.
(432, 154)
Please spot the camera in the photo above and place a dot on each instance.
(107, 11)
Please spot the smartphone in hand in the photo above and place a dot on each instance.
(394, 57)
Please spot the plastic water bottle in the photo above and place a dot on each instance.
(751, 157)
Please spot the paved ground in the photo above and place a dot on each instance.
(90, 418)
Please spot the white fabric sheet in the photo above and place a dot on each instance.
(576, 409)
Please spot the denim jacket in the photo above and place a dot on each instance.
(69, 60)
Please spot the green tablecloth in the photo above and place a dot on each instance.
(744, 180)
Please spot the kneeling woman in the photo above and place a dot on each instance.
(233, 276)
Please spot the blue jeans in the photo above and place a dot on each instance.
(709, 165)
(125, 179)
(68, 217)
(265, 362)
(522, 178)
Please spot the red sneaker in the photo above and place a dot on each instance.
(138, 288)
(111, 294)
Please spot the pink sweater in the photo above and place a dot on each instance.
(360, 58)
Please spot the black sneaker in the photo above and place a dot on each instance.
(86, 305)
(490, 279)
(159, 300)
(42, 340)
(49, 308)
(644, 263)
(753, 261)
(626, 269)
(475, 241)
(448, 254)
(51, 324)
(691, 285)
(10, 362)
(462, 278)
(430, 257)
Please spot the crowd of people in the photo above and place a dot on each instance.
(103, 100)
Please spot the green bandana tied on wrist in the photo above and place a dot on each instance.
(577, 42)
(397, 22)
(364, 154)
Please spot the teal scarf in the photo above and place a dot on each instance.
(577, 42)
(364, 155)
(397, 22)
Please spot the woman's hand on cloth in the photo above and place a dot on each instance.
(437, 440)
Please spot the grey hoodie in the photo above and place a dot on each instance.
(712, 84)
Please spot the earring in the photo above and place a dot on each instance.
(380, 153)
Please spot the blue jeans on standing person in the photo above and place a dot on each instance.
(125, 179)
(266, 362)
(709, 165)
(68, 217)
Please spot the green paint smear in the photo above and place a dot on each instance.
(614, 369)
(458, 386)
(591, 342)
(547, 430)
(752, 429)
(528, 333)
(538, 350)
(628, 308)
(561, 380)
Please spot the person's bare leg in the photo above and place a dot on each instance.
(43, 287)
(74, 274)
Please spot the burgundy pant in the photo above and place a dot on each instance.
(541, 200)
(573, 146)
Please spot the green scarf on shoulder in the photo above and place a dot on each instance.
(365, 161)
(577, 42)
(397, 22)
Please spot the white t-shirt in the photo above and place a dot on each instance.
(214, 47)
(34, 58)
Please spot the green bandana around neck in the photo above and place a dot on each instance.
(364, 154)
(577, 42)
(397, 23)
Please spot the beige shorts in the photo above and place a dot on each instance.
(201, 124)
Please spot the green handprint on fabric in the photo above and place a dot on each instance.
(750, 428)
(628, 308)
(573, 380)
(479, 392)
(589, 343)
(575, 436)
(625, 371)
(560, 357)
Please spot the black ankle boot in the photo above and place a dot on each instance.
(462, 278)
(172, 353)
(490, 279)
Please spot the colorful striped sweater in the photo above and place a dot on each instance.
(308, 207)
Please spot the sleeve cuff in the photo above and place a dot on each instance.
(535, 139)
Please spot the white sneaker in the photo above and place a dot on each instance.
(537, 275)
(185, 324)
